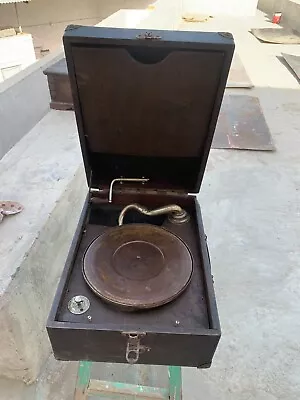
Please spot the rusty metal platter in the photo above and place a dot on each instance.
(137, 266)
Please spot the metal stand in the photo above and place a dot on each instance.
(86, 386)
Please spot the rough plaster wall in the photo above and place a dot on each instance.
(56, 382)
(21, 107)
(31, 293)
(290, 10)
(291, 14)
(271, 6)
(46, 20)
(49, 181)
(24, 100)
(10, 345)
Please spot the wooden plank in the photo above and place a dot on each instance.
(61, 95)
(139, 374)
(241, 125)
(83, 379)
(125, 391)
(175, 383)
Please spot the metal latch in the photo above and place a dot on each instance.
(134, 347)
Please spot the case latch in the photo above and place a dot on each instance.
(134, 347)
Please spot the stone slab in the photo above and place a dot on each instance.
(250, 203)
(43, 172)
(56, 382)
(291, 14)
(24, 100)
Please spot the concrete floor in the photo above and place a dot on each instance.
(251, 209)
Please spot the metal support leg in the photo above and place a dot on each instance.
(83, 380)
(175, 383)
(124, 391)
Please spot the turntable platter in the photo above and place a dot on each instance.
(137, 266)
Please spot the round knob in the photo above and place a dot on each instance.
(78, 304)
(78, 300)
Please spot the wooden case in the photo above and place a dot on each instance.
(59, 86)
(146, 105)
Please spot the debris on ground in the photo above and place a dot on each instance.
(194, 17)
(293, 62)
(7, 32)
(9, 208)
(242, 125)
(238, 77)
(276, 35)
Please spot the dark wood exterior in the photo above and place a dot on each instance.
(183, 73)
(185, 332)
(113, 74)
(59, 86)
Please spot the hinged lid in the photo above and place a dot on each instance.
(147, 103)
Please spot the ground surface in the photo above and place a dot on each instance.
(250, 203)
(251, 208)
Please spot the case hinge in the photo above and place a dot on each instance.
(117, 180)
(143, 181)
(121, 180)
(103, 193)
(148, 36)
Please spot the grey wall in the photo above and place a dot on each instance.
(291, 14)
(290, 10)
(24, 100)
(271, 6)
(47, 19)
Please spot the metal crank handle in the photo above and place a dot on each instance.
(177, 215)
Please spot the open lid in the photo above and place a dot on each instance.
(147, 103)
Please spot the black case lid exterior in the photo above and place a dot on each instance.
(147, 103)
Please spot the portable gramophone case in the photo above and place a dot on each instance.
(137, 285)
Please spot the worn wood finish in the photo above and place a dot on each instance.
(83, 380)
(175, 383)
(154, 104)
(196, 336)
(120, 390)
(131, 93)
(242, 125)
(156, 115)
(148, 284)
(59, 86)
